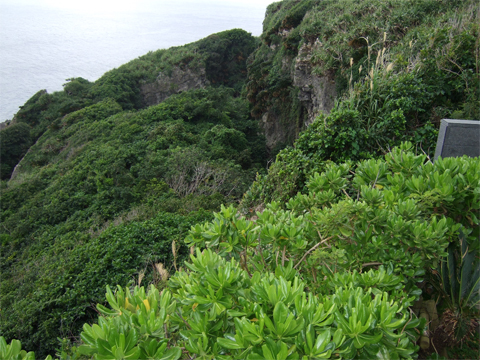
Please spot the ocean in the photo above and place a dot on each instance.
(45, 42)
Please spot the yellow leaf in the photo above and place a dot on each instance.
(194, 306)
(147, 304)
(378, 186)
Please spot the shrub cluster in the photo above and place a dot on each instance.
(99, 167)
(332, 276)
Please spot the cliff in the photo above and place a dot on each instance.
(312, 52)
(179, 80)
(217, 61)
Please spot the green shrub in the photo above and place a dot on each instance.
(13, 351)
(132, 328)
(401, 211)
(215, 309)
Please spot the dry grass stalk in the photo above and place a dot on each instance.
(141, 275)
(164, 275)
(174, 252)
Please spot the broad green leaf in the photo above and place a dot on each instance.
(267, 353)
(133, 354)
(229, 344)
(86, 350)
(171, 354)
(280, 314)
(322, 341)
(97, 330)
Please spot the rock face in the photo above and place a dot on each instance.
(284, 89)
(317, 94)
(4, 124)
(178, 81)
(274, 130)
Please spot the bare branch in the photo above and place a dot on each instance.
(309, 251)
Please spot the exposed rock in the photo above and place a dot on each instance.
(317, 94)
(285, 32)
(16, 171)
(167, 85)
(4, 124)
(275, 132)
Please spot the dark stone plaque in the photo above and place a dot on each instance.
(458, 138)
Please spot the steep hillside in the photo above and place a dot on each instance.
(99, 155)
(313, 51)
(400, 67)
(218, 60)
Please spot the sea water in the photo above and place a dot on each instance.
(45, 42)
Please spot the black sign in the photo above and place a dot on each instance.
(458, 138)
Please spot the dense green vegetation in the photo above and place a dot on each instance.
(100, 165)
(327, 252)
(331, 277)
(348, 41)
(226, 51)
(105, 177)
(429, 73)
(15, 143)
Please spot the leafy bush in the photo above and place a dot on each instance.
(217, 310)
(132, 328)
(13, 351)
(294, 283)
(75, 269)
(400, 212)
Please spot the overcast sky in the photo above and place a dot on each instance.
(120, 4)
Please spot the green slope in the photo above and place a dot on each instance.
(99, 159)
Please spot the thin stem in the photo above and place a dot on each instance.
(314, 275)
(371, 264)
(181, 317)
(261, 252)
(309, 251)
(246, 264)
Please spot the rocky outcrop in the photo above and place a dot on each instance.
(177, 81)
(274, 130)
(317, 93)
(4, 124)
(284, 89)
